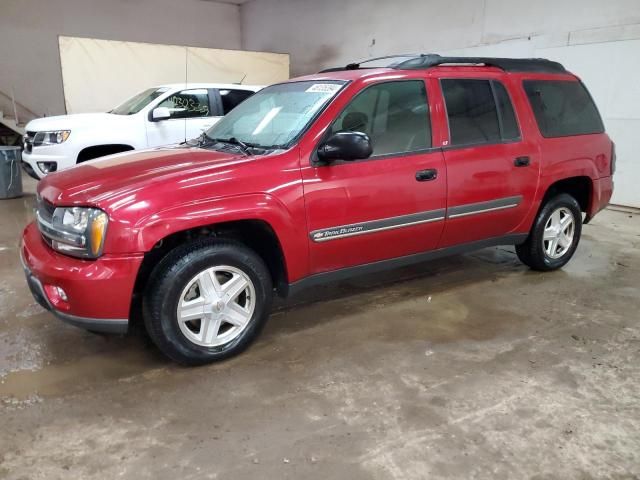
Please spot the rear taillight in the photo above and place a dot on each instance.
(613, 158)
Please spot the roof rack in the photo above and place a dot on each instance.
(424, 61)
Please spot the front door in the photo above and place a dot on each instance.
(389, 205)
(492, 172)
(191, 112)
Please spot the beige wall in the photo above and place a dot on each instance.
(597, 39)
(326, 33)
(29, 30)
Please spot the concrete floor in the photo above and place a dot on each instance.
(469, 367)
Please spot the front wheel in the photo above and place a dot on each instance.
(555, 234)
(207, 301)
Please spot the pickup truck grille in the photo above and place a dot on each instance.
(28, 141)
(44, 213)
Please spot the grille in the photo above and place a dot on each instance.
(28, 141)
(45, 212)
(45, 209)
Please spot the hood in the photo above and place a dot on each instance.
(120, 180)
(75, 121)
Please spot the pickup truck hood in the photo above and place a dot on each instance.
(119, 180)
(75, 121)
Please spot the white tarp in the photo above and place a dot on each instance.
(98, 74)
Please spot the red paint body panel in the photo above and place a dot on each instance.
(351, 192)
(149, 195)
(99, 289)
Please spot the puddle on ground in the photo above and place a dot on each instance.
(129, 358)
(440, 302)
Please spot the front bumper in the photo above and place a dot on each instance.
(45, 154)
(99, 291)
(30, 171)
(116, 326)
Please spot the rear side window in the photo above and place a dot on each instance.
(563, 108)
(231, 98)
(395, 115)
(471, 110)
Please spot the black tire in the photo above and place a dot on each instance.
(173, 274)
(532, 252)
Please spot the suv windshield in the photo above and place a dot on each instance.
(138, 102)
(275, 116)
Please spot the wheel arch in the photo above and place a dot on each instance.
(256, 234)
(579, 187)
(97, 151)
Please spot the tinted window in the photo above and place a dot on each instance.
(471, 110)
(563, 108)
(188, 103)
(509, 125)
(395, 115)
(231, 98)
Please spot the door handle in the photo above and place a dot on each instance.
(426, 175)
(522, 161)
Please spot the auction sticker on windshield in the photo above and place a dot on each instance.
(323, 88)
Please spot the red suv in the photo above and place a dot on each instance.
(348, 171)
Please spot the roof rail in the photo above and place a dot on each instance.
(356, 65)
(424, 61)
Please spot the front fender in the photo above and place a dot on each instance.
(288, 227)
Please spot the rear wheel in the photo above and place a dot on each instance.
(207, 301)
(555, 234)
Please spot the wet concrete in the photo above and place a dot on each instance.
(468, 367)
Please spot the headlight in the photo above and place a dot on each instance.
(50, 138)
(77, 231)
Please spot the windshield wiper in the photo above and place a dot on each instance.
(244, 147)
(200, 141)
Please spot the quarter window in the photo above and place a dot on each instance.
(563, 108)
(188, 104)
(395, 115)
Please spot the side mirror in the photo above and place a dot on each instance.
(345, 146)
(160, 113)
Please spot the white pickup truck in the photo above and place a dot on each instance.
(158, 116)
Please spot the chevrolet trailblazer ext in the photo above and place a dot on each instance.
(348, 171)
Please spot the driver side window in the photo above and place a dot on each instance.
(188, 104)
(395, 115)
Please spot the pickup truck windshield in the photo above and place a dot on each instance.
(138, 102)
(275, 116)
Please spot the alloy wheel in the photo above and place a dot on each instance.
(558, 233)
(216, 306)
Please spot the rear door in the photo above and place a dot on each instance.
(389, 205)
(230, 98)
(492, 171)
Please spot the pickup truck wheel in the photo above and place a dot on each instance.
(207, 301)
(555, 235)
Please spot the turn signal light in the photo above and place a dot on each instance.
(98, 227)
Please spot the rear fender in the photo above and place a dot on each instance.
(582, 167)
